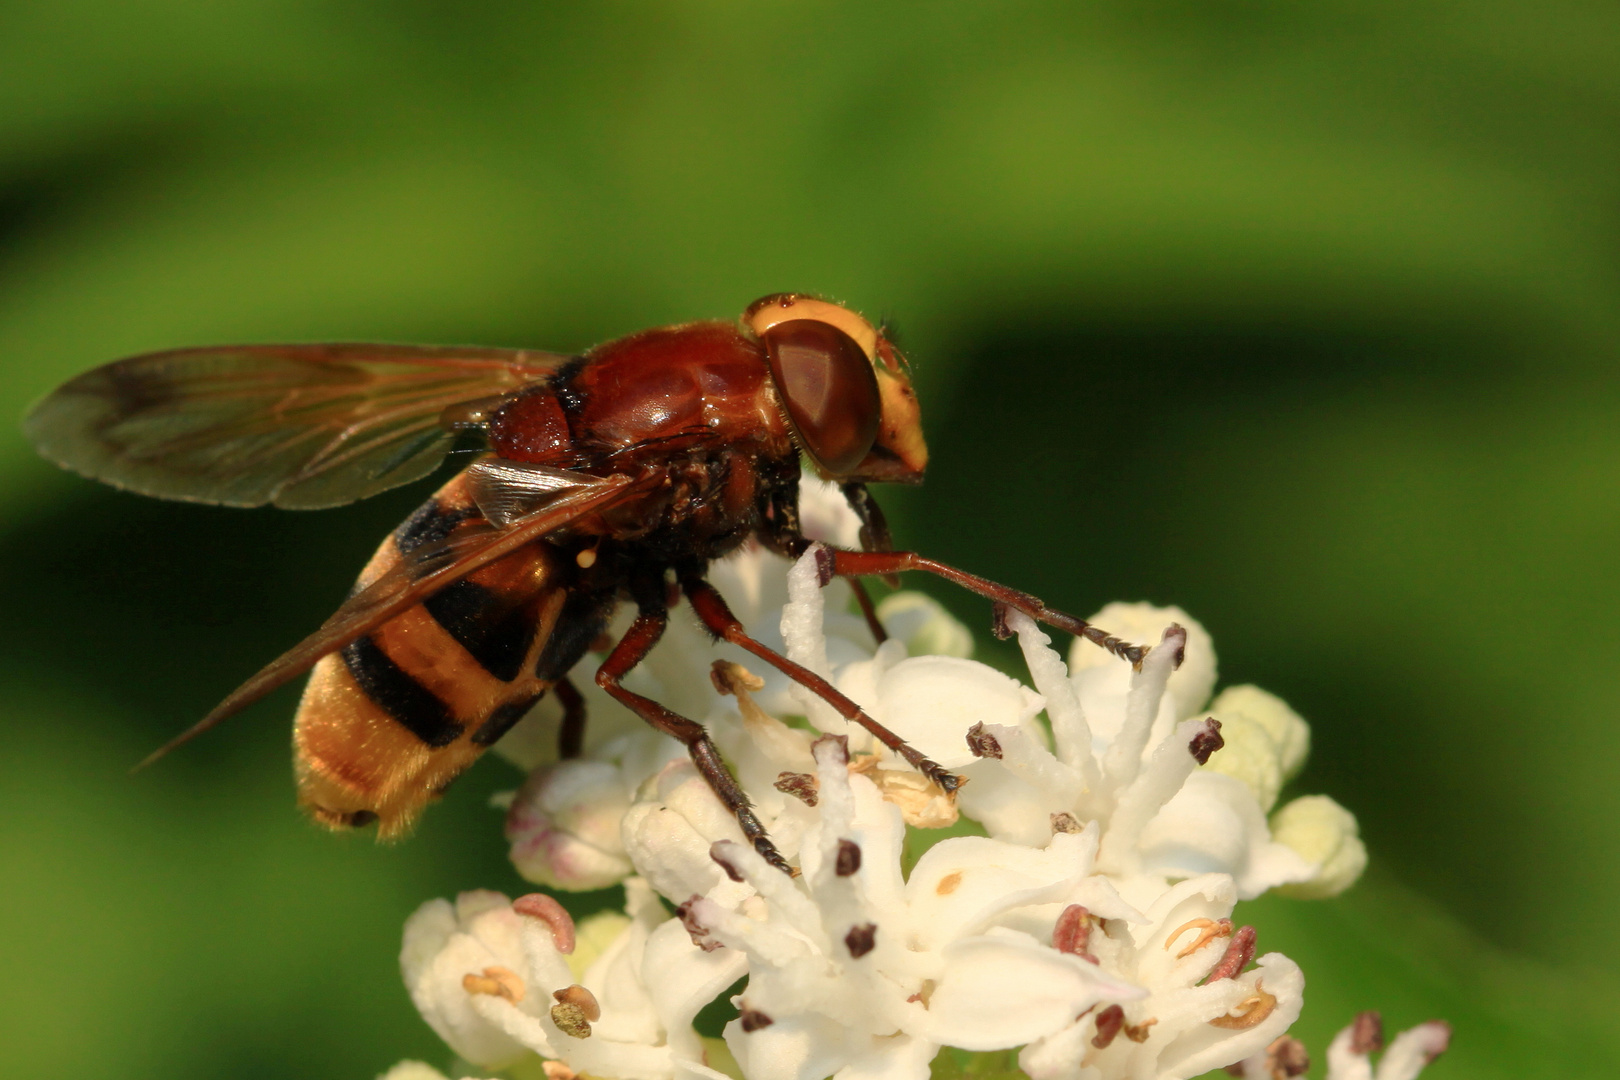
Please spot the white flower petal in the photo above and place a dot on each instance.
(932, 701)
(1005, 991)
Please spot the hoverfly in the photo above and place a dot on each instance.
(617, 474)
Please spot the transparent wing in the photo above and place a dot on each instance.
(419, 575)
(296, 426)
(506, 491)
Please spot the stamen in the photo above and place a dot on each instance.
(1239, 951)
(570, 1020)
(861, 939)
(717, 853)
(1286, 1057)
(801, 786)
(581, 998)
(547, 910)
(1064, 822)
(1248, 1012)
(949, 883)
(1109, 1021)
(698, 932)
(982, 743)
(496, 982)
(840, 743)
(1206, 741)
(1212, 929)
(849, 858)
(729, 677)
(1072, 933)
(1367, 1034)
(751, 1020)
(556, 1070)
(1138, 1033)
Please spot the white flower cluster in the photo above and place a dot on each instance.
(1091, 925)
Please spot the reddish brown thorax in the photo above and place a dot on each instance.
(648, 395)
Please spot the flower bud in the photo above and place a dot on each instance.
(1143, 624)
(1290, 734)
(1324, 833)
(444, 943)
(564, 826)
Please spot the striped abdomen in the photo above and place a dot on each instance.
(388, 722)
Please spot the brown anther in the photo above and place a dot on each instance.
(1248, 1012)
(717, 853)
(547, 910)
(495, 982)
(570, 1020)
(1206, 741)
(860, 940)
(1109, 1021)
(1239, 951)
(982, 743)
(1138, 1033)
(998, 621)
(949, 883)
(557, 1070)
(1175, 636)
(801, 786)
(581, 998)
(694, 929)
(751, 1020)
(728, 676)
(840, 741)
(826, 564)
(848, 861)
(1286, 1058)
(1064, 822)
(1367, 1033)
(1072, 932)
(1211, 929)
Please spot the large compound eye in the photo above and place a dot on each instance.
(830, 390)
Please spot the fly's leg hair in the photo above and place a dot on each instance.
(837, 562)
(571, 732)
(651, 619)
(711, 608)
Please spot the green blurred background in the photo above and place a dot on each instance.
(1303, 317)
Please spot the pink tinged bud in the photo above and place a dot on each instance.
(547, 910)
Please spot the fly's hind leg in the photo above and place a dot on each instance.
(571, 732)
(631, 649)
(711, 608)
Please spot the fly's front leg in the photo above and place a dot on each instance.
(837, 562)
(630, 651)
(711, 608)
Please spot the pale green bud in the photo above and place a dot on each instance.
(1324, 833)
(1249, 755)
(1289, 734)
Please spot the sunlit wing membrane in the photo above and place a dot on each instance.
(422, 573)
(296, 426)
(508, 490)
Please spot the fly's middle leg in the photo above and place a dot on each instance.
(711, 608)
(631, 649)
